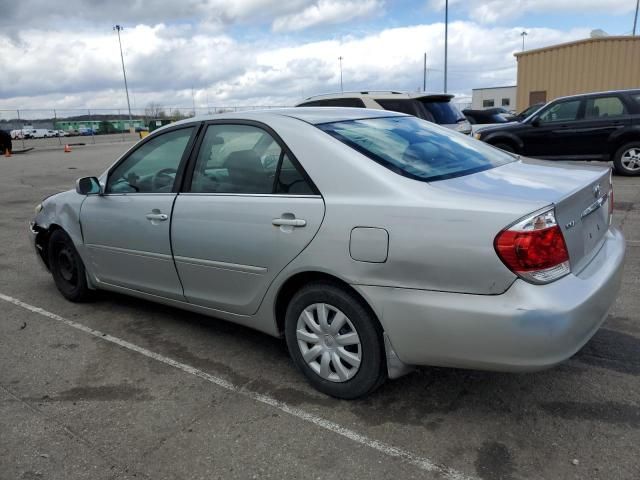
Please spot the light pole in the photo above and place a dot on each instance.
(446, 41)
(341, 89)
(117, 28)
(635, 19)
(523, 34)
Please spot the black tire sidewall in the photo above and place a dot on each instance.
(80, 291)
(372, 370)
(617, 159)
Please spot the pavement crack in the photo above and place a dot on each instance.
(123, 469)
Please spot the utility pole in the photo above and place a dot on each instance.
(635, 19)
(117, 28)
(523, 34)
(341, 88)
(193, 100)
(446, 41)
(424, 74)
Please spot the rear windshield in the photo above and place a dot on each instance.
(444, 112)
(415, 148)
(405, 105)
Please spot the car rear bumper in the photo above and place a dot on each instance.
(528, 327)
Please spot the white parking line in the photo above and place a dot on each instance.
(389, 450)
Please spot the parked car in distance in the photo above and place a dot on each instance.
(528, 111)
(86, 131)
(17, 134)
(433, 107)
(62, 133)
(370, 240)
(600, 126)
(486, 116)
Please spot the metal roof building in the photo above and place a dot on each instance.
(589, 65)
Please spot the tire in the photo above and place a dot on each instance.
(626, 160)
(340, 376)
(67, 268)
(506, 147)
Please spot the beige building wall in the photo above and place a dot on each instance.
(590, 65)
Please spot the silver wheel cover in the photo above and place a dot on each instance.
(631, 159)
(328, 342)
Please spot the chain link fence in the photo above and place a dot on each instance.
(99, 125)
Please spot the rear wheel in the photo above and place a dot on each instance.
(335, 341)
(626, 160)
(67, 268)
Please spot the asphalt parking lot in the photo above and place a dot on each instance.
(123, 388)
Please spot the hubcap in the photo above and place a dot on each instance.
(329, 342)
(66, 265)
(631, 159)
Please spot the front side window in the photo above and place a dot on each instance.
(244, 159)
(561, 112)
(603, 107)
(152, 168)
(414, 148)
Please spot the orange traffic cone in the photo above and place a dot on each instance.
(67, 148)
(7, 152)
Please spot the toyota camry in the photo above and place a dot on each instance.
(372, 241)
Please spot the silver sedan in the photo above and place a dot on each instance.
(372, 241)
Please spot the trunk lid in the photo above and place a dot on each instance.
(581, 195)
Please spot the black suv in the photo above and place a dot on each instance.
(596, 126)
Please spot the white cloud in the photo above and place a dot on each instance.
(60, 69)
(492, 11)
(326, 12)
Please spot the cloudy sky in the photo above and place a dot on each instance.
(271, 52)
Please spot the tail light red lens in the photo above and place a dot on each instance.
(534, 248)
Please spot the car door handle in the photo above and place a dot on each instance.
(160, 217)
(289, 222)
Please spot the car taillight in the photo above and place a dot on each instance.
(534, 248)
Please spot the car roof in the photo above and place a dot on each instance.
(312, 115)
(594, 94)
(380, 94)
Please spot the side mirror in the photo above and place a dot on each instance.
(88, 186)
(535, 122)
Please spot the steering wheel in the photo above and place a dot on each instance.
(162, 178)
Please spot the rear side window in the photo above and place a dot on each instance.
(413, 148)
(603, 107)
(335, 102)
(245, 159)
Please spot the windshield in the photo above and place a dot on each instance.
(415, 148)
(444, 112)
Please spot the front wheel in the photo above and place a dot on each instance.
(67, 268)
(335, 341)
(626, 160)
(506, 147)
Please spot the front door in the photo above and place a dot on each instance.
(127, 230)
(554, 133)
(249, 211)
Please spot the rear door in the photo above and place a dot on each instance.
(248, 210)
(603, 116)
